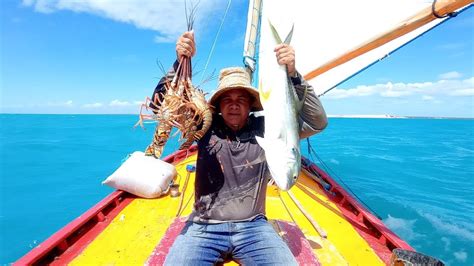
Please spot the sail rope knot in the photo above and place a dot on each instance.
(436, 14)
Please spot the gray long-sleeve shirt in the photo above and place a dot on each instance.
(226, 191)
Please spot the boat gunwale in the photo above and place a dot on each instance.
(59, 247)
(62, 245)
(345, 201)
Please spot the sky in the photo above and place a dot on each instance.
(103, 57)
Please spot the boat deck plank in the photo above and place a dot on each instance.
(134, 233)
(343, 243)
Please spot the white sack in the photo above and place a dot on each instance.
(144, 176)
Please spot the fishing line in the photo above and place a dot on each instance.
(215, 40)
(329, 170)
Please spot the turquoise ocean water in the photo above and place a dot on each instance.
(417, 174)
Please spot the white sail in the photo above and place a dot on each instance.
(325, 30)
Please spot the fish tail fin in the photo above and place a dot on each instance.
(290, 34)
(275, 33)
(277, 36)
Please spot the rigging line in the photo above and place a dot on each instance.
(329, 170)
(215, 40)
(395, 50)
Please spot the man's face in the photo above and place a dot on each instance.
(235, 108)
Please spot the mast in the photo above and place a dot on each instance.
(440, 9)
(250, 45)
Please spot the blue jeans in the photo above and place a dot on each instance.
(249, 243)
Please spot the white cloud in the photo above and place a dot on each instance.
(460, 255)
(119, 103)
(165, 17)
(161, 39)
(444, 87)
(450, 75)
(42, 6)
(431, 99)
(463, 92)
(13, 106)
(451, 46)
(67, 103)
(392, 93)
(92, 105)
(427, 98)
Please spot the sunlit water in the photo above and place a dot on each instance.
(417, 174)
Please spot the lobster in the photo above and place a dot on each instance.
(181, 105)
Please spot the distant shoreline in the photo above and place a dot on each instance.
(398, 117)
(329, 116)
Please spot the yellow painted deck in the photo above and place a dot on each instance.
(136, 231)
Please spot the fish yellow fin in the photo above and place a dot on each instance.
(264, 95)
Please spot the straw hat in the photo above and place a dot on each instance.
(236, 78)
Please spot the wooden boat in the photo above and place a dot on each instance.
(319, 220)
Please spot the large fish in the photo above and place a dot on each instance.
(281, 105)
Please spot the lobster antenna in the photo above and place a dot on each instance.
(211, 77)
(190, 14)
(194, 13)
(186, 13)
(161, 67)
(194, 65)
(196, 72)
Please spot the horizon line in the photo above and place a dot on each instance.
(361, 116)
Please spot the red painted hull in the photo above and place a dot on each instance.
(68, 242)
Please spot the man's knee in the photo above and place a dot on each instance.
(189, 250)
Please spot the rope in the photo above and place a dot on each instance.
(215, 40)
(182, 194)
(436, 14)
(329, 170)
(310, 219)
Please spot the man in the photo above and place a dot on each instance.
(228, 219)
